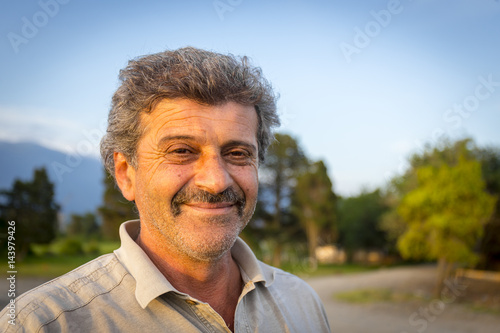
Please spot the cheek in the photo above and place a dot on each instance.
(164, 182)
(173, 179)
(250, 184)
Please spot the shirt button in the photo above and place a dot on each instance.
(190, 302)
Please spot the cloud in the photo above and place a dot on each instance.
(32, 125)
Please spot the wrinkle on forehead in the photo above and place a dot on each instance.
(180, 113)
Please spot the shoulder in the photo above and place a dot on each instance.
(68, 292)
(282, 279)
(289, 286)
(291, 302)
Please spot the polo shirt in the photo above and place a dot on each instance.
(125, 292)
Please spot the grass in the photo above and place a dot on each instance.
(369, 296)
(50, 266)
(364, 296)
(327, 269)
(491, 309)
(51, 260)
(59, 246)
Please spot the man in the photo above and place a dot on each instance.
(187, 130)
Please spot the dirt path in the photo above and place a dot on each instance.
(434, 316)
(440, 315)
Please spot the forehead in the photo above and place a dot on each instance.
(183, 116)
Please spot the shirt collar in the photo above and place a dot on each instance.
(151, 283)
(251, 268)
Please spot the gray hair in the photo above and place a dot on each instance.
(205, 77)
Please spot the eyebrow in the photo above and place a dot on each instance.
(231, 143)
(234, 143)
(175, 137)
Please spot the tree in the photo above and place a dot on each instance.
(314, 204)
(446, 212)
(444, 152)
(390, 221)
(273, 218)
(83, 225)
(31, 205)
(359, 219)
(115, 209)
(490, 244)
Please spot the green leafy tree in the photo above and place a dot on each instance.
(115, 209)
(273, 219)
(445, 213)
(83, 225)
(391, 222)
(31, 205)
(490, 244)
(444, 152)
(314, 204)
(359, 219)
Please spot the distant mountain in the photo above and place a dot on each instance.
(77, 180)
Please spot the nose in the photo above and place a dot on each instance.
(212, 174)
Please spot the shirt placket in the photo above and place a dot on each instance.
(207, 316)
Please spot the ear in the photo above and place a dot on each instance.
(125, 176)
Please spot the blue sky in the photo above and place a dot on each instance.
(362, 84)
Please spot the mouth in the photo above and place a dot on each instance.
(208, 203)
(213, 208)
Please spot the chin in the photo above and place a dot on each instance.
(213, 247)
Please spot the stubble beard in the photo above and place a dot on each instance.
(176, 226)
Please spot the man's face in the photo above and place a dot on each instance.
(195, 184)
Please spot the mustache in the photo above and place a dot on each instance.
(188, 195)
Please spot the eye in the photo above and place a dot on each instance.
(238, 156)
(180, 154)
(238, 153)
(181, 151)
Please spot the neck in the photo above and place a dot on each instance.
(217, 283)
